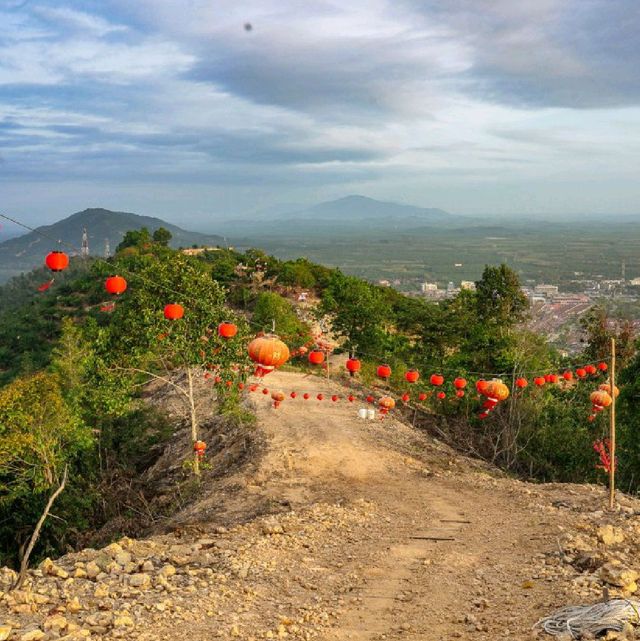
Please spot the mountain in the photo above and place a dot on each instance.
(349, 214)
(28, 251)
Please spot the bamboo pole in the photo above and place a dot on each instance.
(612, 428)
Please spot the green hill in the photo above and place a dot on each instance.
(28, 251)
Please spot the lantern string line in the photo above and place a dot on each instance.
(198, 303)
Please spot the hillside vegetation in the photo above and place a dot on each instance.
(131, 385)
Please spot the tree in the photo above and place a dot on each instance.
(162, 236)
(140, 340)
(39, 438)
(358, 312)
(135, 238)
(500, 299)
(270, 308)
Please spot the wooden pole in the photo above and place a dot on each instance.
(612, 428)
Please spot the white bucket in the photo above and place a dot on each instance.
(371, 414)
(362, 413)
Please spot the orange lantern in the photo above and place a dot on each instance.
(269, 352)
(606, 387)
(227, 329)
(353, 366)
(460, 383)
(460, 393)
(411, 376)
(383, 371)
(57, 261)
(568, 375)
(603, 367)
(387, 403)
(481, 386)
(521, 383)
(436, 379)
(581, 372)
(539, 381)
(173, 311)
(316, 357)
(115, 285)
(600, 398)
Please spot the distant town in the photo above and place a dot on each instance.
(555, 314)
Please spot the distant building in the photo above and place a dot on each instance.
(425, 288)
(548, 291)
(195, 251)
(468, 285)
(635, 282)
(384, 283)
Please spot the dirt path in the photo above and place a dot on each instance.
(365, 530)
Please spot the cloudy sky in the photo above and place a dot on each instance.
(192, 109)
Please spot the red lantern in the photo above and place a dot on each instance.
(383, 371)
(351, 398)
(481, 386)
(521, 383)
(436, 379)
(115, 285)
(460, 393)
(405, 398)
(568, 375)
(320, 397)
(581, 372)
(490, 403)
(387, 403)
(412, 376)
(603, 367)
(293, 395)
(460, 383)
(335, 398)
(253, 387)
(265, 391)
(240, 386)
(483, 415)
(353, 366)
(227, 329)
(591, 369)
(173, 311)
(539, 381)
(199, 447)
(316, 357)
(422, 396)
(370, 399)
(306, 396)
(553, 378)
(441, 395)
(56, 261)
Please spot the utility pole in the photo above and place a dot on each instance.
(107, 248)
(612, 428)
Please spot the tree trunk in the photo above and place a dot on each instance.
(194, 423)
(24, 564)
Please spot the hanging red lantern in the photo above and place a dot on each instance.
(253, 387)
(483, 415)
(227, 329)
(335, 398)
(591, 369)
(277, 395)
(316, 357)
(353, 365)
(199, 447)
(269, 352)
(370, 399)
(383, 371)
(539, 381)
(568, 375)
(489, 404)
(581, 372)
(406, 398)
(460, 393)
(265, 391)
(460, 383)
(591, 418)
(306, 396)
(320, 397)
(601, 398)
(521, 383)
(481, 386)
(436, 379)
(57, 261)
(293, 395)
(412, 376)
(240, 386)
(173, 311)
(442, 395)
(603, 367)
(606, 387)
(351, 398)
(115, 285)
(553, 378)
(422, 396)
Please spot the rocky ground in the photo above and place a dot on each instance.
(375, 532)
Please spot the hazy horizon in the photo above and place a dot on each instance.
(512, 109)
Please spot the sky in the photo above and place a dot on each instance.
(196, 110)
